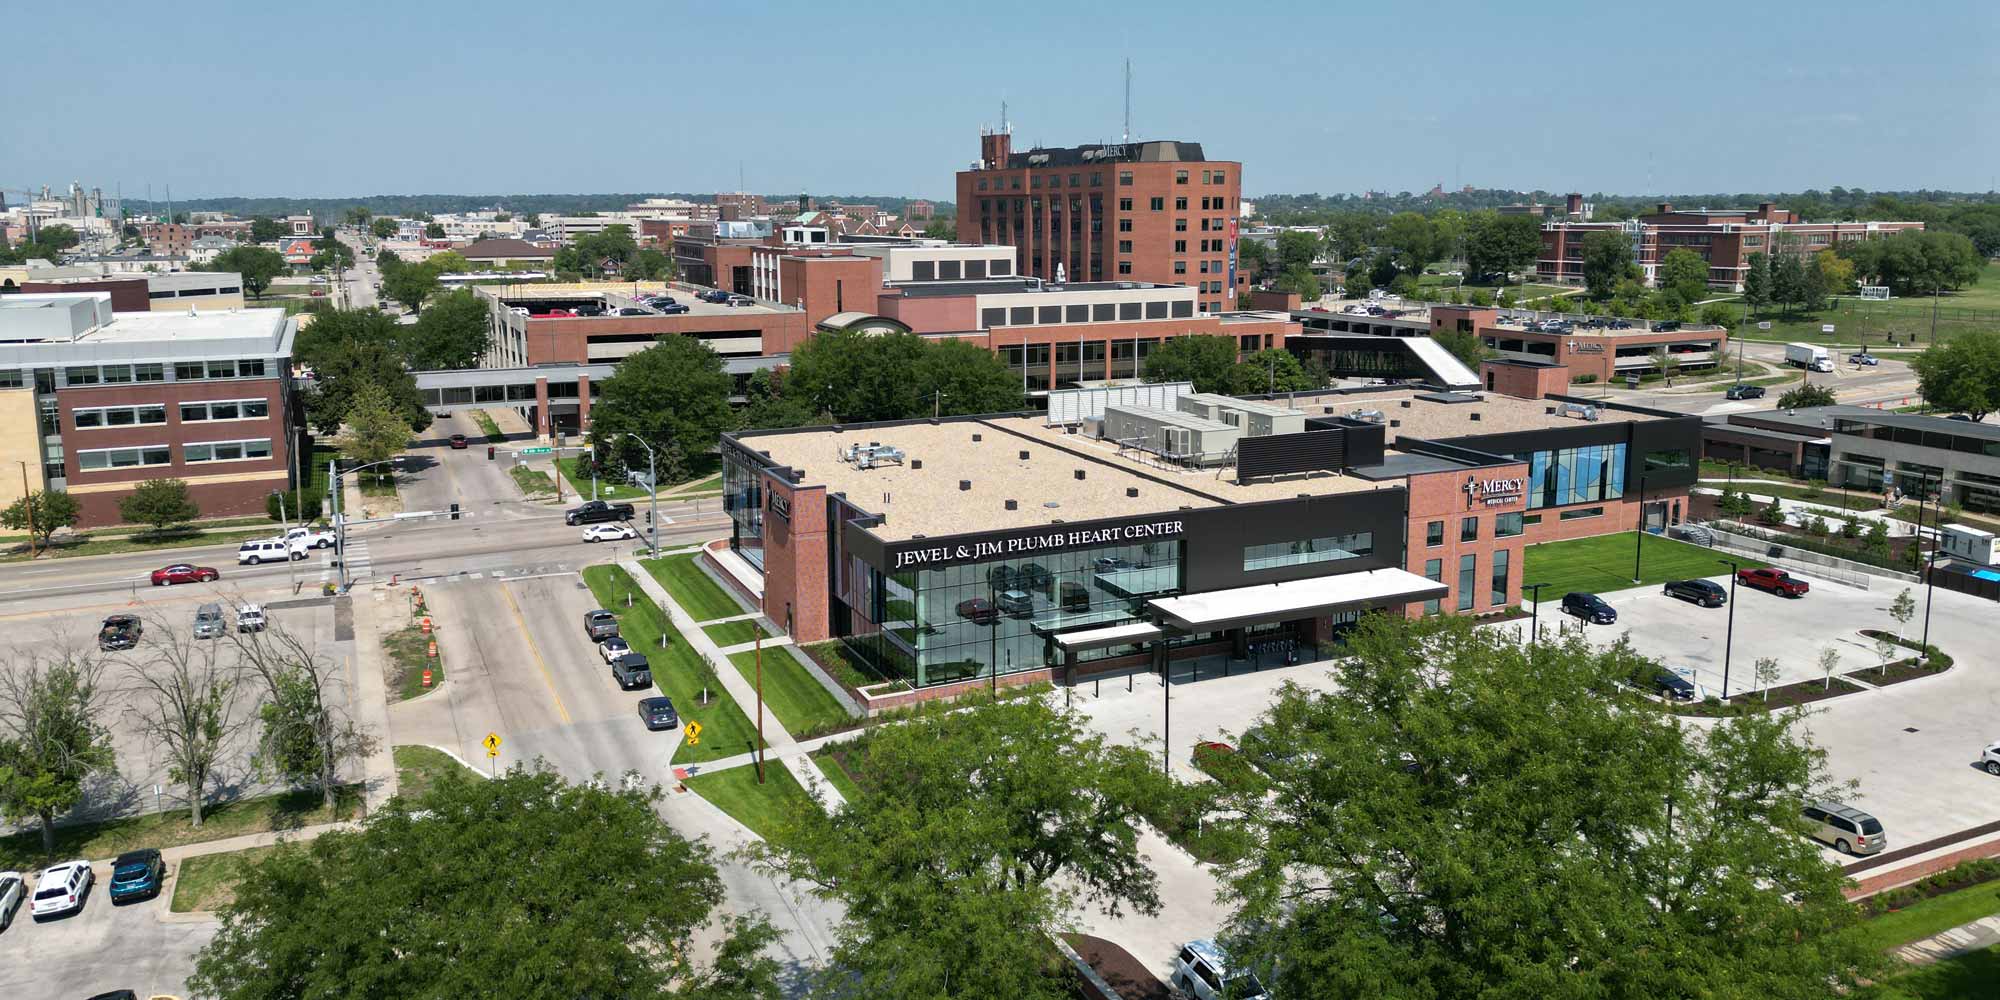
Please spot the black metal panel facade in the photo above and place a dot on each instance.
(1291, 454)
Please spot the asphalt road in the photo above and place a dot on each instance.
(1889, 383)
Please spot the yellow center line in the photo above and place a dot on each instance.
(508, 593)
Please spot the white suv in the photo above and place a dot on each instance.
(265, 550)
(62, 888)
(1990, 760)
(1202, 969)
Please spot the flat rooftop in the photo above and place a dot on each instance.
(1429, 415)
(1016, 286)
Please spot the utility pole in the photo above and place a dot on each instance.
(760, 704)
(29, 499)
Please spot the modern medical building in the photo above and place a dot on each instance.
(1132, 524)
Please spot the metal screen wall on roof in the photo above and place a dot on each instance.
(1069, 406)
(1290, 454)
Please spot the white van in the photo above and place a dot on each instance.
(265, 550)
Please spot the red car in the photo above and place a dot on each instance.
(978, 610)
(458, 442)
(1776, 581)
(184, 573)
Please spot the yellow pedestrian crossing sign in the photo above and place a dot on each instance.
(694, 733)
(492, 742)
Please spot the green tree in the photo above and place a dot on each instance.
(410, 284)
(598, 254)
(257, 266)
(552, 891)
(1718, 314)
(57, 236)
(1269, 370)
(1466, 347)
(674, 391)
(1382, 270)
(1808, 394)
(1757, 290)
(1463, 815)
(264, 229)
(347, 348)
(974, 830)
(1788, 282)
(1962, 374)
(434, 230)
(1302, 282)
(972, 378)
(452, 333)
(383, 228)
(357, 215)
(854, 376)
(1297, 249)
(375, 431)
(941, 228)
(331, 255)
(1607, 260)
(1496, 244)
(1255, 256)
(161, 503)
(304, 737)
(1413, 239)
(1902, 609)
(45, 512)
(767, 406)
(1205, 361)
(650, 264)
(184, 705)
(1686, 273)
(1917, 262)
(51, 739)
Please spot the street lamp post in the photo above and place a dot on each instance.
(1729, 638)
(340, 525)
(1639, 537)
(1930, 574)
(1534, 611)
(652, 487)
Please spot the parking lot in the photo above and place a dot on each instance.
(102, 948)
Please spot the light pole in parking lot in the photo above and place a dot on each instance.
(340, 522)
(1639, 538)
(1930, 567)
(1534, 611)
(1729, 638)
(652, 487)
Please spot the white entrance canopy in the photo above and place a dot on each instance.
(1293, 599)
(1121, 634)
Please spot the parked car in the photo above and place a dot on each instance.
(1863, 358)
(458, 442)
(263, 550)
(1201, 969)
(658, 713)
(1706, 593)
(978, 610)
(1740, 391)
(1072, 596)
(608, 532)
(713, 295)
(1673, 685)
(137, 875)
(1667, 326)
(1589, 607)
(632, 671)
(1961, 416)
(184, 573)
(559, 313)
(208, 621)
(1776, 581)
(672, 308)
(250, 618)
(1000, 577)
(599, 624)
(1034, 576)
(660, 300)
(13, 888)
(631, 311)
(595, 511)
(613, 648)
(1848, 829)
(120, 632)
(1990, 760)
(741, 300)
(62, 889)
(1016, 603)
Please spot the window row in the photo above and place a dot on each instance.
(1465, 596)
(190, 371)
(1308, 550)
(121, 416)
(113, 374)
(1096, 312)
(94, 459)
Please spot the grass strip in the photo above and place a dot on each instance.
(678, 670)
(1604, 563)
(799, 702)
(109, 838)
(420, 768)
(762, 808)
(408, 649)
(208, 882)
(690, 588)
(532, 482)
(488, 427)
(730, 633)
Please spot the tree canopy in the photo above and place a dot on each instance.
(383, 228)
(1808, 394)
(1461, 815)
(410, 284)
(1016, 814)
(1496, 244)
(673, 393)
(51, 738)
(1205, 361)
(43, 511)
(452, 333)
(257, 265)
(161, 503)
(1916, 262)
(1607, 260)
(1685, 273)
(523, 886)
(857, 376)
(1962, 374)
(598, 254)
(347, 348)
(1296, 249)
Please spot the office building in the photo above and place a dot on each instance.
(1863, 448)
(1725, 238)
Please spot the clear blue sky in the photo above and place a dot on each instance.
(421, 96)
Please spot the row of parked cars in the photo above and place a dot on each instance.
(64, 888)
(1679, 684)
(629, 668)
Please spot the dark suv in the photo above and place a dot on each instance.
(1706, 593)
(137, 875)
(596, 511)
(1589, 607)
(632, 671)
(120, 632)
(1744, 392)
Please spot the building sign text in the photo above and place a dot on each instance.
(978, 550)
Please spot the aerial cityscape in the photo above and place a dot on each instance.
(870, 525)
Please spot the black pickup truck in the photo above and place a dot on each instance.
(595, 511)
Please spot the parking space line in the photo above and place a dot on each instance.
(536, 652)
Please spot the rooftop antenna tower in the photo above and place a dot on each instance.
(1003, 116)
(1128, 102)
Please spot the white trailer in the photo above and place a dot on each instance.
(1811, 357)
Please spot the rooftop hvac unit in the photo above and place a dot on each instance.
(1368, 416)
(1581, 410)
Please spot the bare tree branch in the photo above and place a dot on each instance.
(185, 700)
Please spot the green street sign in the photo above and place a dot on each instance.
(534, 451)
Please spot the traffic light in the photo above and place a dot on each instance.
(454, 512)
(649, 518)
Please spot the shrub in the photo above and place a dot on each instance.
(1582, 379)
(1959, 876)
(1230, 770)
(297, 506)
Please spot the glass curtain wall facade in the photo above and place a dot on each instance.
(743, 499)
(953, 623)
(1589, 474)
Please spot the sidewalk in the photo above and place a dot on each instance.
(370, 697)
(775, 735)
(1981, 933)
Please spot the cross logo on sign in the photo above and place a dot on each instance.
(492, 744)
(694, 733)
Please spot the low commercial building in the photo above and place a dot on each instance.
(501, 252)
(1725, 238)
(176, 291)
(1862, 448)
(93, 402)
(967, 551)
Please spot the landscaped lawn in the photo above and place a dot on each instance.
(532, 482)
(1604, 563)
(1968, 977)
(1974, 307)
(579, 482)
(208, 882)
(759, 807)
(677, 669)
(144, 542)
(799, 702)
(109, 838)
(844, 666)
(488, 427)
(697, 595)
(827, 758)
(408, 649)
(730, 633)
(418, 768)
(1931, 916)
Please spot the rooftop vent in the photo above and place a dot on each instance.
(964, 484)
(1395, 423)
(1079, 473)
(1053, 504)
(1131, 491)
(976, 437)
(1013, 505)
(916, 463)
(1367, 416)
(1475, 416)
(1024, 455)
(1405, 404)
(1583, 411)
(885, 498)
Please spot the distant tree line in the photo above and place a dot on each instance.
(411, 206)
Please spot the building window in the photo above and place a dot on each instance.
(1310, 550)
(1180, 205)
(1180, 246)
(1021, 316)
(1507, 525)
(122, 458)
(225, 409)
(1124, 267)
(1158, 204)
(121, 416)
(1530, 520)
(1180, 225)
(1124, 246)
(1124, 204)
(1124, 178)
(1220, 177)
(1180, 267)
(1124, 225)
(1434, 533)
(990, 318)
(1096, 178)
(1580, 513)
(1498, 598)
(1468, 573)
(1468, 529)
(1180, 177)
(1434, 572)
(226, 451)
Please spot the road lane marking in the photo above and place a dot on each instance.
(536, 652)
